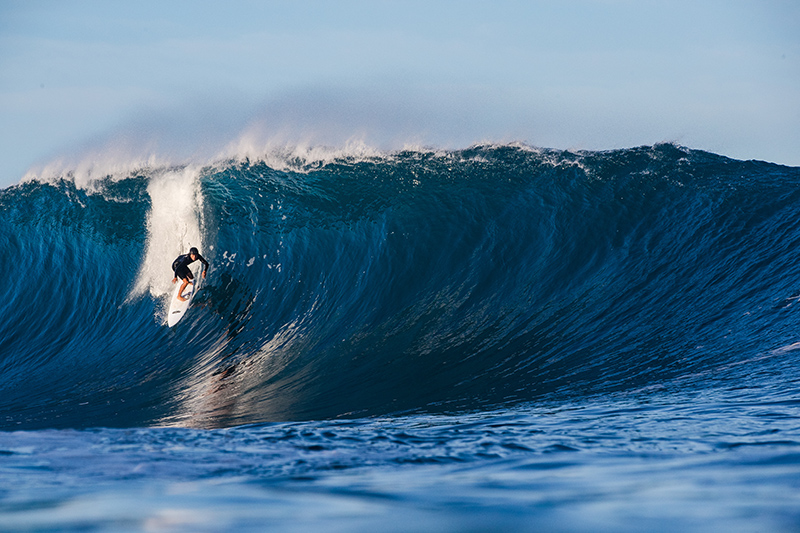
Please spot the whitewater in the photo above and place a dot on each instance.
(497, 338)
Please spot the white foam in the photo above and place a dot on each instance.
(88, 169)
(174, 224)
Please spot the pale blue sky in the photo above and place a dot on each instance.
(184, 78)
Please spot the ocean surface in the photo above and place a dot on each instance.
(500, 338)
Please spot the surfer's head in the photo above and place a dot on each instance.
(193, 251)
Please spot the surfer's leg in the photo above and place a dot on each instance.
(183, 286)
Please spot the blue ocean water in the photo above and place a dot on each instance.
(501, 338)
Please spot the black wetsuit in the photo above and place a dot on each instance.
(181, 266)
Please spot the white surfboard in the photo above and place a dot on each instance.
(178, 308)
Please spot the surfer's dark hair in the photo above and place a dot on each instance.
(194, 251)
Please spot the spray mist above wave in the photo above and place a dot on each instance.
(305, 126)
(89, 171)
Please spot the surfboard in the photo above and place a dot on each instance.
(178, 308)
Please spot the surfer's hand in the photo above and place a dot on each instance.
(204, 274)
(174, 280)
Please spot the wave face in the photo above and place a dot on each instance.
(406, 282)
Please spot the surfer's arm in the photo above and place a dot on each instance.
(205, 264)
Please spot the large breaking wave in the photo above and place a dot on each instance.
(357, 285)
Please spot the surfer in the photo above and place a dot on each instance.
(181, 269)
